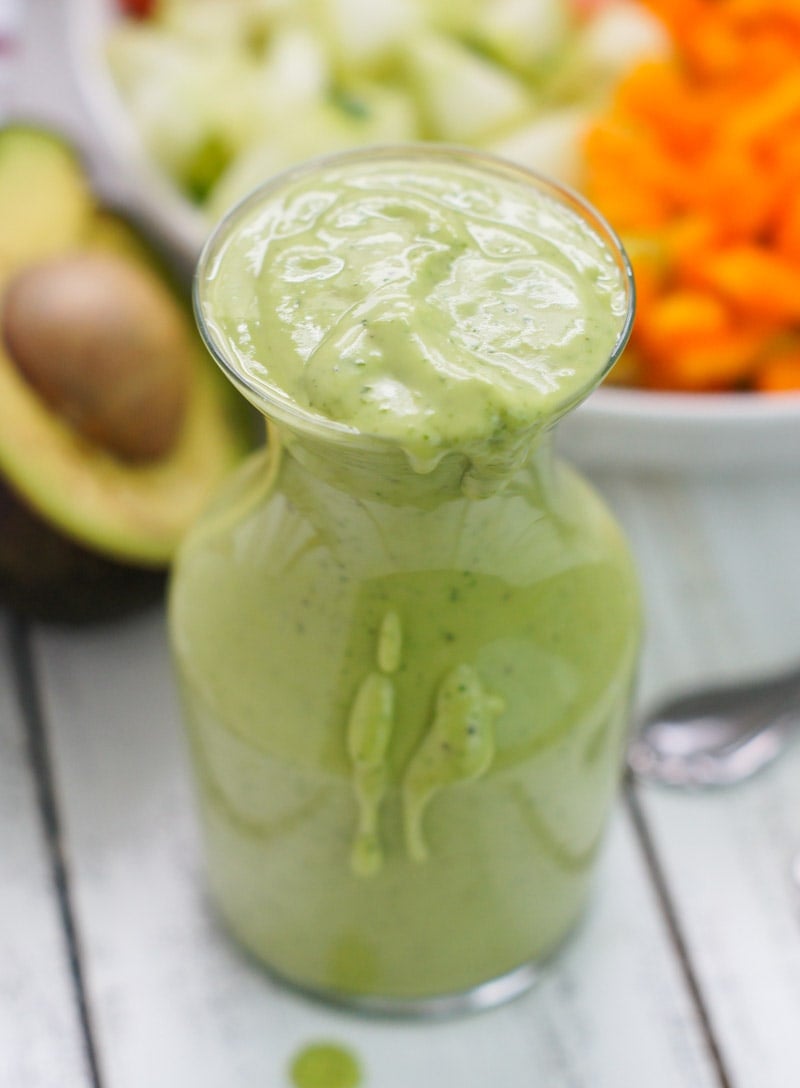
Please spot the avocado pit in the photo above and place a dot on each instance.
(106, 346)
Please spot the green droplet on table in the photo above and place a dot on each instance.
(325, 1065)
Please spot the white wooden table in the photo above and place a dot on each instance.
(686, 974)
(114, 972)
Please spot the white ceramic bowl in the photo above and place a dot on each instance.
(616, 428)
(739, 434)
(134, 176)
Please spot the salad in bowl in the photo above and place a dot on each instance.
(677, 119)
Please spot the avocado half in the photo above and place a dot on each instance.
(85, 534)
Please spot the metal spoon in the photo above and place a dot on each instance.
(719, 736)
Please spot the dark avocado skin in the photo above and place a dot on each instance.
(45, 576)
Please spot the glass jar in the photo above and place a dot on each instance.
(406, 696)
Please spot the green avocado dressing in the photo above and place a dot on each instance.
(405, 635)
(423, 301)
(325, 1065)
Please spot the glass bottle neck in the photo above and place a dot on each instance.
(384, 472)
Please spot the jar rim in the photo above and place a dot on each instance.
(274, 402)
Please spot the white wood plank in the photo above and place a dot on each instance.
(723, 585)
(721, 579)
(174, 1001)
(728, 859)
(40, 1040)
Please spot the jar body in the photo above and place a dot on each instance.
(322, 634)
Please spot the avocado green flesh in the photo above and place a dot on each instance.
(107, 510)
(45, 200)
(134, 513)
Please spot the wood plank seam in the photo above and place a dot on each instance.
(38, 754)
(670, 915)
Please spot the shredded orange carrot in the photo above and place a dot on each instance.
(759, 283)
(779, 372)
(697, 159)
(787, 227)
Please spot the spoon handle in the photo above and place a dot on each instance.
(720, 736)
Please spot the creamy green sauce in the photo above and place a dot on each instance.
(458, 747)
(421, 301)
(325, 1065)
(405, 644)
(314, 824)
(369, 731)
